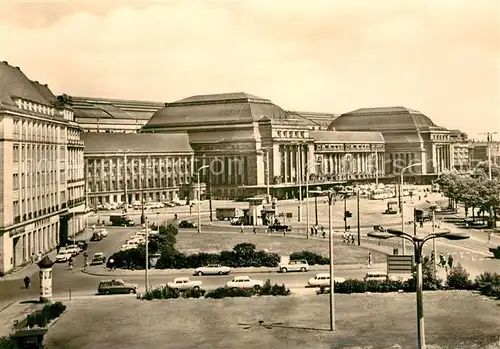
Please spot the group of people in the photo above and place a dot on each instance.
(315, 229)
(348, 238)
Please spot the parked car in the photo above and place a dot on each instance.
(98, 258)
(129, 246)
(278, 227)
(245, 282)
(184, 284)
(323, 280)
(294, 265)
(116, 287)
(187, 224)
(74, 250)
(63, 256)
(169, 204)
(212, 269)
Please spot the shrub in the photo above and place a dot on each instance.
(458, 278)
(161, 293)
(273, 290)
(311, 257)
(193, 293)
(495, 251)
(223, 292)
(430, 281)
(488, 284)
(134, 258)
(30, 320)
(41, 319)
(350, 286)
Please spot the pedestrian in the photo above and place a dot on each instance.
(353, 240)
(58, 247)
(442, 261)
(439, 224)
(316, 230)
(254, 230)
(70, 263)
(312, 231)
(421, 223)
(27, 282)
(111, 264)
(450, 261)
(241, 229)
(369, 259)
(490, 235)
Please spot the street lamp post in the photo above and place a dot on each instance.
(146, 270)
(299, 176)
(418, 243)
(199, 196)
(332, 271)
(307, 201)
(401, 199)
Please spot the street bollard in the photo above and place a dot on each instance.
(69, 294)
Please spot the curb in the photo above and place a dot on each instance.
(174, 272)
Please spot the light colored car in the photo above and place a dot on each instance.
(245, 282)
(294, 265)
(98, 258)
(129, 246)
(103, 232)
(376, 276)
(184, 284)
(63, 256)
(74, 250)
(323, 280)
(212, 269)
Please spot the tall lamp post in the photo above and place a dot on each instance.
(432, 208)
(199, 196)
(307, 200)
(418, 243)
(401, 199)
(331, 201)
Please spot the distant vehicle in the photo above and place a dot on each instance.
(116, 287)
(278, 227)
(212, 269)
(228, 213)
(129, 245)
(121, 220)
(168, 204)
(184, 284)
(379, 229)
(236, 221)
(103, 232)
(245, 282)
(74, 250)
(323, 280)
(294, 265)
(82, 244)
(63, 256)
(138, 239)
(187, 224)
(96, 236)
(98, 258)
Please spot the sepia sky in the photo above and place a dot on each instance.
(437, 56)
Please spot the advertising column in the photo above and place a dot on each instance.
(45, 266)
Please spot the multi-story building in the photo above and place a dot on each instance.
(123, 167)
(251, 144)
(41, 171)
(112, 115)
(460, 152)
(478, 153)
(410, 137)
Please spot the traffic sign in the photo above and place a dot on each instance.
(400, 264)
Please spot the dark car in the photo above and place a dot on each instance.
(82, 244)
(96, 236)
(187, 224)
(116, 287)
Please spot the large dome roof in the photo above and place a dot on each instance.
(386, 118)
(229, 108)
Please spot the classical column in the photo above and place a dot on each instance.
(285, 163)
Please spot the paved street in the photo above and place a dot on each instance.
(471, 253)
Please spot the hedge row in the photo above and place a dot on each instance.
(242, 255)
(42, 317)
(311, 257)
(222, 292)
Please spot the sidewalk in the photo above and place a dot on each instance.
(101, 271)
(32, 268)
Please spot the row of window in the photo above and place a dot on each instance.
(39, 179)
(290, 134)
(38, 131)
(97, 186)
(30, 151)
(29, 208)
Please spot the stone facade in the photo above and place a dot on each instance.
(41, 176)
